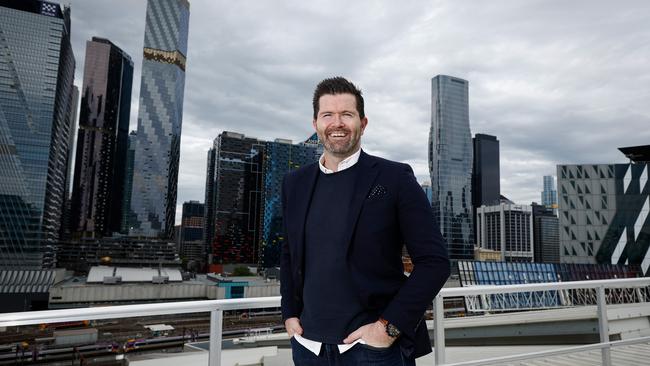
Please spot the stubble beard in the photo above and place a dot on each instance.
(341, 148)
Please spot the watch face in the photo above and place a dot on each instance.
(392, 330)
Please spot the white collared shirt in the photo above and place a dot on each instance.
(344, 164)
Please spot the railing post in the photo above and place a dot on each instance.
(603, 327)
(216, 326)
(439, 329)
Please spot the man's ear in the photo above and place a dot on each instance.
(313, 123)
(364, 123)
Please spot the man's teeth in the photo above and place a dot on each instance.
(337, 135)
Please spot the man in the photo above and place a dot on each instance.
(345, 298)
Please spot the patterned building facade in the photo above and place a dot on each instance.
(235, 205)
(450, 164)
(604, 213)
(102, 140)
(157, 151)
(281, 157)
(36, 96)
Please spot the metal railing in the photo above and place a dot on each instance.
(217, 307)
(601, 298)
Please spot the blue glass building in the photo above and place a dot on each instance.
(157, 151)
(36, 94)
(281, 157)
(549, 194)
(450, 164)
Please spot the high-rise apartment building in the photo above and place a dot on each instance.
(546, 235)
(36, 86)
(102, 141)
(280, 157)
(157, 151)
(604, 211)
(508, 229)
(236, 186)
(450, 164)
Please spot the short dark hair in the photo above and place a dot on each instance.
(337, 85)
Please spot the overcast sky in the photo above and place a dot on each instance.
(556, 81)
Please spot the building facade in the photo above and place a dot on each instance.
(450, 164)
(102, 141)
(486, 185)
(508, 229)
(192, 247)
(486, 176)
(280, 157)
(236, 186)
(549, 194)
(36, 96)
(157, 151)
(546, 234)
(604, 212)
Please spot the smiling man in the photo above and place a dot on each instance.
(345, 298)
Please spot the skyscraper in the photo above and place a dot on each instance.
(549, 194)
(102, 141)
(192, 246)
(450, 164)
(157, 151)
(37, 73)
(236, 186)
(280, 157)
(604, 211)
(486, 186)
(546, 236)
(127, 214)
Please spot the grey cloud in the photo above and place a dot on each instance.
(555, 81)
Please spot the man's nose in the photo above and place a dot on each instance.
(338, 121)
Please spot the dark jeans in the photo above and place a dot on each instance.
(360, 354)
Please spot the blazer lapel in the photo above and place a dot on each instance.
(303, 199)
(365, 178)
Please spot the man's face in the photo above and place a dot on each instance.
(338, 124)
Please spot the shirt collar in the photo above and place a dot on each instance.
(344, 164)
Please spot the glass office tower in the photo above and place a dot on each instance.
(450, 164)
(102, 142)
(36, 94)
(549, 194)
(157, 151)
(281, 156)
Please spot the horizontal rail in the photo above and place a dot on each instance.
(129, 311)
(186, 307)
(549, 353)
(528, 287)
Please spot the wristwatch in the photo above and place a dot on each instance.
(391, 330)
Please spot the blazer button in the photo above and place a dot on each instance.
(300, 273)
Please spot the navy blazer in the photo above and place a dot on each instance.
(388, 209)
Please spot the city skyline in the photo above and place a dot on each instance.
(554, 88)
